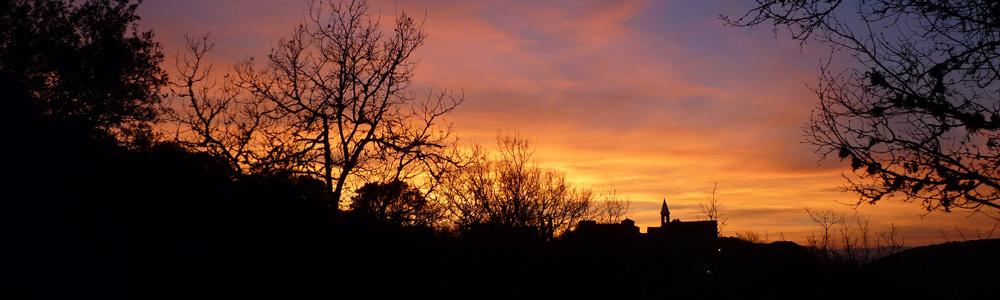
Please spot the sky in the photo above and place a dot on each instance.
(658, 97)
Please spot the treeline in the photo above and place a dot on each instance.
(332, 101)
(318, 173)
(161, 221)
(330, 105)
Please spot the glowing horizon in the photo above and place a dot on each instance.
(660, 98)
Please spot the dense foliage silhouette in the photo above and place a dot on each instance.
(84, 62)
(396, 203)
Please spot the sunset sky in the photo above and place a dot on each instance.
(659, 97)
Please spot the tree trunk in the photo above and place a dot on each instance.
(334, 195)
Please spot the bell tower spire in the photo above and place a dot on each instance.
(664, 214)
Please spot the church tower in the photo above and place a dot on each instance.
(664, 214)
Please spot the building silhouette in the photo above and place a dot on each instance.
(677, 229)
(673, 234)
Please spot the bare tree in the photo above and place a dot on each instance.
(850, 240)
(611, 207)
(219, 117)
(920, 117)
(711, 210)
(751, 236)
(890, 241)
(345, 83)
(826, 242)
(332, 101)
(508, 188)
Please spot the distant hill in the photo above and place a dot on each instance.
(950, 270)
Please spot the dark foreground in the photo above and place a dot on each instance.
(87, 219)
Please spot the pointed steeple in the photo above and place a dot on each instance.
(664, 214)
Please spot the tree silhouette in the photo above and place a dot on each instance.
(332, 101)
(509, 189)
(850, 240)
(395, 203)
(611, 206)
(343, 85)
(920, 117)
(220, 117)
(711, 210)
(86, 63)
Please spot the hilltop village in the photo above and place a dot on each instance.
(676, 234)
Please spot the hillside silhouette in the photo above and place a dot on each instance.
(162, 222)
(971, 265)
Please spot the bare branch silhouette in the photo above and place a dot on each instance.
(332, 101)
(510, 189)
(611, 207)
(711, 210)
(920, 119)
